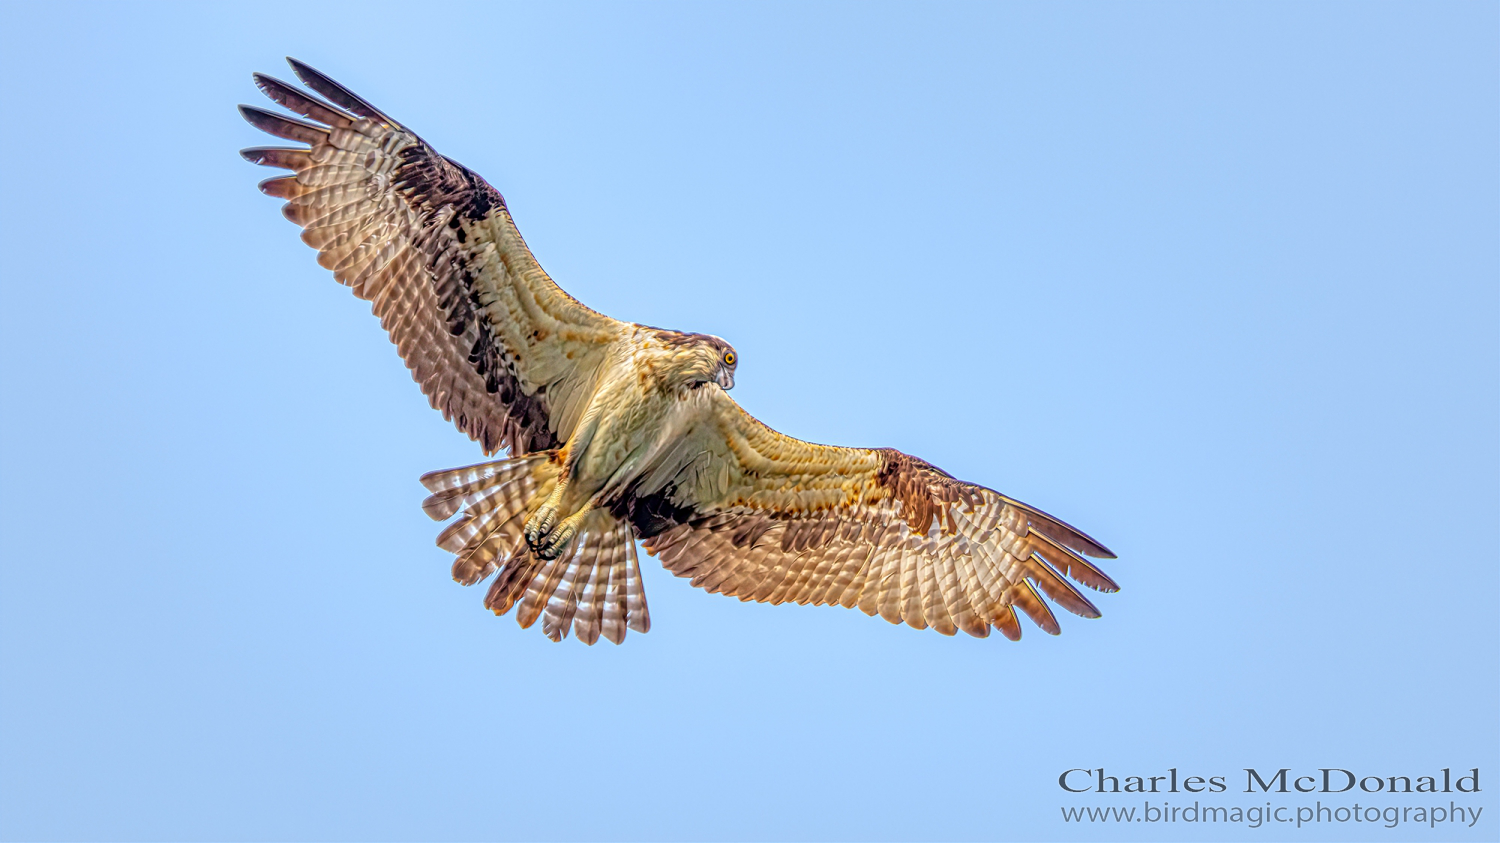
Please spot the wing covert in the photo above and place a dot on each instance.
(495, 345)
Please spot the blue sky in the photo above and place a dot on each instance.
(1217, 283)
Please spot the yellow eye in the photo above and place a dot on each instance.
(729, 358)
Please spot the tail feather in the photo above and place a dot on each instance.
(504, 541)
(636, 615)
(507, 587)
(492, 501)
(534, 598)
(473, 477)
(612, 601)
(562, 603)
(602, 571)
(594, 588)
(587, 623)
(482, 511)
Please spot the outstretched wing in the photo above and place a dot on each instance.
(495, 345)
(747, 511)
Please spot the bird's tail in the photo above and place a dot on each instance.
(593, 588)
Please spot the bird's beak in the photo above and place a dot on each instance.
(725, 379)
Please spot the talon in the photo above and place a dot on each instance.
(553, 545)
(540, 525)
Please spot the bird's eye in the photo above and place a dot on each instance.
(729, 358)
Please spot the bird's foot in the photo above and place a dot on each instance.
(549, 543)
(555, 542)
(539, 525)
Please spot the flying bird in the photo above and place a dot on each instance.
(618, 432)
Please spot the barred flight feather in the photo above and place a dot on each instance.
(389, 215)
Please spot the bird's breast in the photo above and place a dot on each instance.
(635, 428)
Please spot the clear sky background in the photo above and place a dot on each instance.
(1217, 283)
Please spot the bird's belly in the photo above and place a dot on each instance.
(625, 444)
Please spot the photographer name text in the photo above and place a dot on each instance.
(1284, 780)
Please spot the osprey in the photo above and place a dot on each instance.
(619, 432)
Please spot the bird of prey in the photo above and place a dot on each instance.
(618, 432)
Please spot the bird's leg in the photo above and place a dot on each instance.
(552, 544)
(558, 519)
(539, 525)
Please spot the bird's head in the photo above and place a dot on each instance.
(700, 359)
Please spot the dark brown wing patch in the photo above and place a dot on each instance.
(925, 491)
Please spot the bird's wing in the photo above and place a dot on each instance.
(495, 345)
(747, 511)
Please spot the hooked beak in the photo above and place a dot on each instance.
(725, 379)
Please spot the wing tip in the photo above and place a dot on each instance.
(276, 156)
(338, 94)
(283, 127)
(281, 187)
